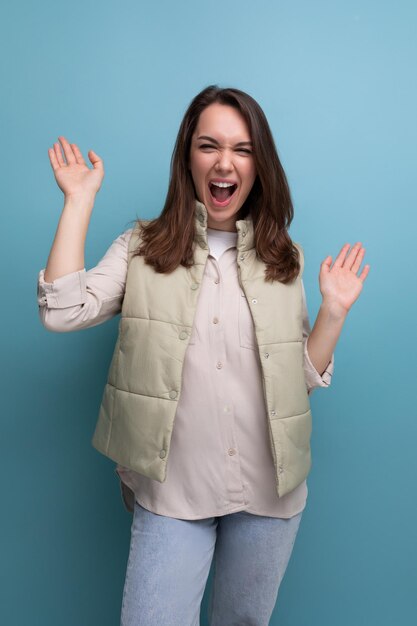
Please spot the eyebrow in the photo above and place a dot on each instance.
(241, 143)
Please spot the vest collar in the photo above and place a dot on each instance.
(245, 233)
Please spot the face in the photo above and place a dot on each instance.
(222, 164)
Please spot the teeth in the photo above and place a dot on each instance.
(223, 184)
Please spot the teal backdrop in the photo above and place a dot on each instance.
(337, 81)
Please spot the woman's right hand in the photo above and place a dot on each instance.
(74, 177)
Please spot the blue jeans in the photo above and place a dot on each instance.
(169, 563)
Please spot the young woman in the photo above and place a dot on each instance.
(206, 408)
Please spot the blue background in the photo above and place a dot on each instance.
(337, 81)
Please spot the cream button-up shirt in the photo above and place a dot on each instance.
(220, 457)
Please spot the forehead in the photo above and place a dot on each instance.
(222, 122)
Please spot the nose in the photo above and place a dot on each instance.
(224, 162)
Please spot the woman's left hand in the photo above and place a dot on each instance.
(340, 285)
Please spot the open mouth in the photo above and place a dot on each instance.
(222, 195)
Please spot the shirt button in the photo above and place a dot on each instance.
(173, 394)
(266, 355)
(231, 451)
(215, 320)
(201, 217)
(216, 280)
(244, 233)
(194, 286)
(219, 365)
(162, 454)
(242, 257)
(273, 412)
(254, 301)
(183, 334)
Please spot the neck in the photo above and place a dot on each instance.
(229, 226)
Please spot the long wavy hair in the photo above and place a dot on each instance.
(168, 240)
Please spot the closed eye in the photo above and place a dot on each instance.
(206, 146)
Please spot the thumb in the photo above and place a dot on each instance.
(95, 160)
(325, 266)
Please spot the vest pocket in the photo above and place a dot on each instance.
(247, 335)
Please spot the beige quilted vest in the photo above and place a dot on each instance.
(137, 412)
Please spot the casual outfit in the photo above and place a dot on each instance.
(221, 354)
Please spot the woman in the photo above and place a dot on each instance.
(214, 338)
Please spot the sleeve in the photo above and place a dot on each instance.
(86, 298)
(312, 377)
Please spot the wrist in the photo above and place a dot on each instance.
(80, 200)
(333, 309)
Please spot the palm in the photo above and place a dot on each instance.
(73, 175)
(341, 283)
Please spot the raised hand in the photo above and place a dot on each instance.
(72, 174)
(341, 285)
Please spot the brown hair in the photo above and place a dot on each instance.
(167, 241)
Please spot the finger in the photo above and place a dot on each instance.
(364, 273)
(69, 155)
(58, 153)
(356, 265)
(325, 266)
(351, 257)
(95, 160)
(77, 153)
(53, 160)
(341, 256)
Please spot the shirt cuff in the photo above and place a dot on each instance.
(313, 378)
(63, 292)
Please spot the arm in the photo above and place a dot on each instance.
(70, 298)
(340, 287)
(313, 378)
(83, 299)
(79, 185)
(67, 251)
